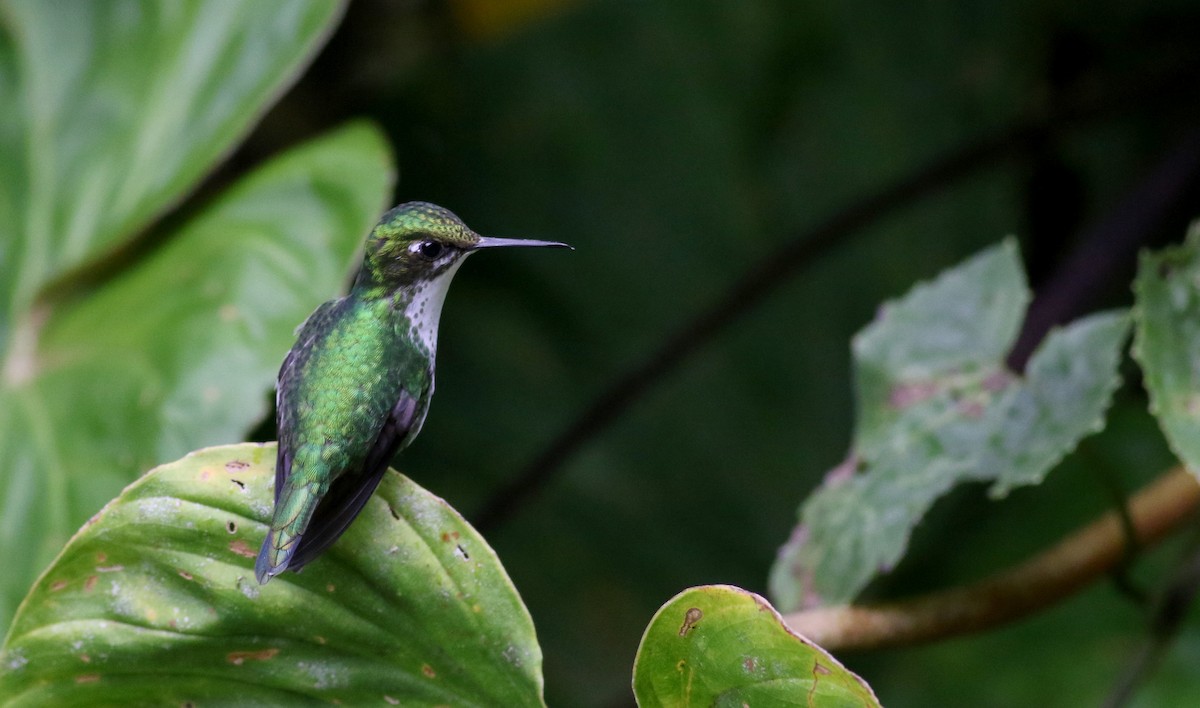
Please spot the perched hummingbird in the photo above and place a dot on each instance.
(355, 387)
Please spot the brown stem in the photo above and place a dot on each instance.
(1054, 574)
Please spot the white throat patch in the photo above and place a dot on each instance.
(425, 309)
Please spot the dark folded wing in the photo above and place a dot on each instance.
(349, 492)
(285, 428)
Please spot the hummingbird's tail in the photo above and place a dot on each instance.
(272, 559)
(292, 513)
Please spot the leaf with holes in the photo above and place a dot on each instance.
(937, 407)
(719, 645)
(155, 601)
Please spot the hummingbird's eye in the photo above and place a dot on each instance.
(428, 250)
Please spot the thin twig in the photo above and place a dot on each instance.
(1054, 574)
(1119, 497)
(1169, 614)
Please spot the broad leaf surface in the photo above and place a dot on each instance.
(181, 351)
(719, 645)
(937, 407)
(114, 108)
(155, 601)
(1167, 342)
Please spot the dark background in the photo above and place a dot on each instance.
(744, 183)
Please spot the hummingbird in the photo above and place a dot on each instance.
(354, 389)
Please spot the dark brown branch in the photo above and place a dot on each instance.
(778, 267)
(748, 291)
(1051, 576)
(1108, 248)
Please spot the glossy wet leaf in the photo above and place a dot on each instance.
(1167, 342)
(181, 351)
(719, 645)
(937, 407)
(114, 108)
(155, 601)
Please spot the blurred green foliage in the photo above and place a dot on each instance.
(1168, 316)
(674, 144)
(122, 349)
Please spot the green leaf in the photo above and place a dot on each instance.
(1167, 342)
(938, 407)
(155, 601)
(113, 109)
(719, 645)
(181, 351)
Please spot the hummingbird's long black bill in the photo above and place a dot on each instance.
(493, 242)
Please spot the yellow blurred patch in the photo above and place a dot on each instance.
(495, 19)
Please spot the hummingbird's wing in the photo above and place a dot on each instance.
(287, 372)
(349, 492)
(283, 424)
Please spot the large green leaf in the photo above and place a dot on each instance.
(1167, 342)
(155, 601)
(719, 645)
(938, 407)
(180, 352)
(113, 108)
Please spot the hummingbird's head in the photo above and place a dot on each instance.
(414, 242)
(419, 242)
